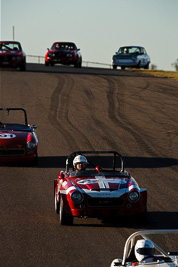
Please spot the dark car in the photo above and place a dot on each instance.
(103, 190)
(65, 53)
(18, 141)
(12, 55)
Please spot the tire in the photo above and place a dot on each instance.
(114, 67)
(64, 218)
(147, 66)
(122, 68)
(141, 219)
(33, 162)
(23, 66)
(139, 65)
(77, 64)
(80, 64)
(56, 204)
(46, 63)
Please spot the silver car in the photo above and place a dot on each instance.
(131, 57)
(159, 258)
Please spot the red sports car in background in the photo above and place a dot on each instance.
(103, 190)
(12, 55)
(18, 142)
(63, 53)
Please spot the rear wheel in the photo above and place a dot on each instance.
(64, 218)
(114, 67)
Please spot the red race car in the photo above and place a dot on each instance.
(18, 142)
(98, 186)
(65, 53)
(12, 55)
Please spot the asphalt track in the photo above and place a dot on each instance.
(86, 109)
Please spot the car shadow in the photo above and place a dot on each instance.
(103, 161)
(41, 68)
(155, 220)
(130, 162)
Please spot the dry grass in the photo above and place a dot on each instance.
(160, 73)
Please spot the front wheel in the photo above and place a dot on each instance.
(56, 203)
(23, 66)
(147, 66)
(64, 218)
(139, 65)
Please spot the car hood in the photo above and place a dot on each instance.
(101, 186)
(10, 52)
(13, 139)
(125, 56)
(60, 50)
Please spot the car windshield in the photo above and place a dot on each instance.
(14, 127)
(129, 50)
(12, 117)
(4, 46)
(63, 46)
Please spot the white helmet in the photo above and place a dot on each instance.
(144, 248)
(80, 159)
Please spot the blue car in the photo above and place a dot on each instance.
(131, 57)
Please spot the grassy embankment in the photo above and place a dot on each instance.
(160, 73)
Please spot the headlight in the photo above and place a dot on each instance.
(31, 145)
(51, 55)
(69, 55)
(134, 196)
(76, 197)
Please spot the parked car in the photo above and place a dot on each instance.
(12, 55)
(131, 57)
(140, 249)
(103, 190)
(18, 141)
(63, 53)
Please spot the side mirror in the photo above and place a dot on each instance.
(98, 168)
(34, 126)
(78, 49)
(61, 175)
(48, 49)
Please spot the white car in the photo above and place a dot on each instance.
(131, 57)
(160, 258)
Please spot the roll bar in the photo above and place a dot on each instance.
(22, 109)
(81, 152)
(144, 234)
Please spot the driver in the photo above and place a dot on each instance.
(80, 163)
(144, 251)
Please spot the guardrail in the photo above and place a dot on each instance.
(41, 59)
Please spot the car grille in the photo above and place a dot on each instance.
(12, 152)
(105, 202)
(5, 58)
(60, 54)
